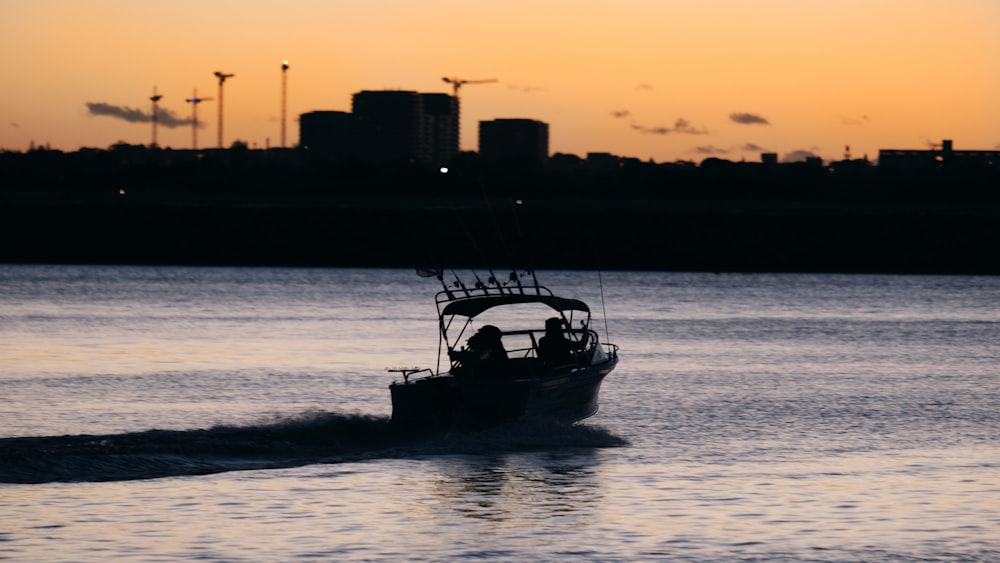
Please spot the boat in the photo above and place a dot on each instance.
(511, 351)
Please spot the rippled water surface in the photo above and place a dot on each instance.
(238, 414)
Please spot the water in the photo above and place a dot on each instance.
(166, 413)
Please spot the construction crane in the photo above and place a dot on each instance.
(222, 78)
(457, 83)
(154, 98)
(194, 100)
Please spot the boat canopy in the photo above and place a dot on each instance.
(473, 306)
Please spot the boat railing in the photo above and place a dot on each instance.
(584, 342)
(610, 350)
(522, 344)
(458, 293)
(408, 371)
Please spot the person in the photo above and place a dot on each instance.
(553, 348)
(488, 356)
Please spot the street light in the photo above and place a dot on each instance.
(222, 78)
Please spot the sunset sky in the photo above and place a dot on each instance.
(654, 79)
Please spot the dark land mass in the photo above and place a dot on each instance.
(286, 212)
(544, 233)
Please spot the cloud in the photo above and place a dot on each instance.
(126, 113)
(798, 156)
(752, 147)
(646, 87)
(860, 121)
(710, 149)
(681, 126)
(525, 89)
(650, 130)
(169, 119)
(748, 119)
(620, 114)
(164, 117)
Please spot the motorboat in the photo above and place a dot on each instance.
(510, 350)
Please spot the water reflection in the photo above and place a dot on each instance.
(525, 488)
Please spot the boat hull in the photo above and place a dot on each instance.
(447, 400)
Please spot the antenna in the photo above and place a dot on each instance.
(194, 100)
(222, 79)
(284, 99)
(154, 98)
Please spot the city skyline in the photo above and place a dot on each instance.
(653, 80)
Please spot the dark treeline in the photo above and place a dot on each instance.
(286, 207)
(279, 172)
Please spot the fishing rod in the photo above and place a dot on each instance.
(436, 273)
(495, 222)
(604, 311)
(459, 283)
(482, 256)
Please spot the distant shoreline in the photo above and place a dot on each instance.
(588, 234)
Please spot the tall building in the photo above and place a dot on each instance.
(395, 126)
(385, 127)
(389, 126)
(440, 128)
(325, 132)
(523, 140)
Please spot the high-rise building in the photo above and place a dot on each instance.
(401, 126)
(440, 128)
(389, 126)
(523, 140)
(325, 132)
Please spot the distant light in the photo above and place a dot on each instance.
(519, 201)
(444, 169)
(121, 191)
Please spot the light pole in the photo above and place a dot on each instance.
(194, 100)
(154, 98)
(222, 79)
(284, 99)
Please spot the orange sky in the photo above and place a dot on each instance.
(656, 79)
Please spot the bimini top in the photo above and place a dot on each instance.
(473, 306)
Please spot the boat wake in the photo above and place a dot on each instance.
(310, 438)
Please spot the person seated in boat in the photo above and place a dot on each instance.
(554, 348)
(487, 355)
